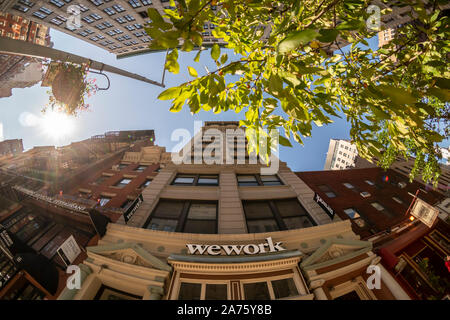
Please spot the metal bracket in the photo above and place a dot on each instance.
(101, 73)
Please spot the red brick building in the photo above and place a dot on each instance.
(375, 200)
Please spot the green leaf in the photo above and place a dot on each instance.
(154, 15)
(197, 56)
(170, 93)
(223, 58)
(294, 39)
(215, 52)
(192, 72)
(285, 142)
(328, 35)
(398, 95)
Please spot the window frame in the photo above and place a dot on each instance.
(183, 215)
(196, 177)
(276, 215)
(259, 181)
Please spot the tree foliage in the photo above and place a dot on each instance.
(292, 71)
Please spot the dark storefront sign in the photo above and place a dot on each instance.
(324, 205)
(132, 209)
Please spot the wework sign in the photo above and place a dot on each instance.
(132, 209)
(324, 205)
(235, 249)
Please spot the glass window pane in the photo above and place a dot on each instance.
(200, 226)
(351, 213)
(163, 224)
(377, 206)
(168, 209)
(216, 292)
(205, 211)
(330, 194)
(284, 288)
(208, 180)
(297, 222)
(189, 291)
(257, 210)
(183, 179)
(270, 180)
(257, 226)
(256, 291)
(289, 208)
(248, 180)
(348, 185)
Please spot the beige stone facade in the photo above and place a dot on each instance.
(324, 260)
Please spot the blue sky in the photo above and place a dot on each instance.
(131, 105)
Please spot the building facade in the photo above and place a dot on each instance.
(341, 155)
(11, 147)
(374, 200)
(227, 230)
(40, 214)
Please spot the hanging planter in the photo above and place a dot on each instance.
(69, 86)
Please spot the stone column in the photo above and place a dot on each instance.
(316, 287)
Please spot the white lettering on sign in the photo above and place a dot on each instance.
(229, 249)
(319, 200)
(56, 202)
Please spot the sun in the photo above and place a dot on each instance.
(57, 125)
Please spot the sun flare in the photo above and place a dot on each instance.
(57, 125)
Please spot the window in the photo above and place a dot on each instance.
(27, 3)
(348, 185)
(201, 218)
(184, 216)
(101, 179)
(107, 24)
(258, 180)
(397, 200)
(123, 183)
(39, 15)
(97, 2)
(146, 2)
(189, 291)
(109, 11)
(377, 206)
(122, 166)
(274, 215)
(99, 26)
(130, 27)
(45, 10)
(256, 291)
(196, 180)
(20, 8)
(56, 21)
(138, 26)
(95, 16)
(141, 168)
(370, 182)
(134, 3)
(326, 189)
(103, 200)
(118, 8)
(351, 213)
(129, 17)
(120, 20)
(216, 292)
(145, 184)
(57, 3)
(284, 288)
(208, 180)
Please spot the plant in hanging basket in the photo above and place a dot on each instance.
(69, 88)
